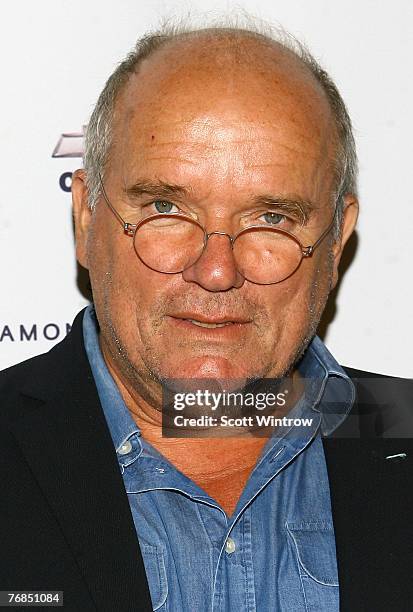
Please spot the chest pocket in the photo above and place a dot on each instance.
(314, 547)
(153, 559)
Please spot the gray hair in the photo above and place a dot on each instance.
(100, 129)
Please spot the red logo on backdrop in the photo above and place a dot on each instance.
(70, 144)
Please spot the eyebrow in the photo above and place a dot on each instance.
(161, 189)
(292, 204)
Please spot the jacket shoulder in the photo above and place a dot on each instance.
(40, 375)
(12, 381)
(353, 373)
(383, 403)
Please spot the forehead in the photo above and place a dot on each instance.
(200, 101)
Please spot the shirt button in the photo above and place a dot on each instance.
(125, 448)
(230, 546)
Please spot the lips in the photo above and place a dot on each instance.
(210, 322)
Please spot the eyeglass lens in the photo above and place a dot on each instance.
(173, 244)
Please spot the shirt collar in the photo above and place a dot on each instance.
(330, 391)
(333, 388)
(120, 422)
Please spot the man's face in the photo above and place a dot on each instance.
(235, 138)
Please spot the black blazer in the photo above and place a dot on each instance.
(65, 521)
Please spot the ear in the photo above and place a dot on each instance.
(82, 215)
(350, 214)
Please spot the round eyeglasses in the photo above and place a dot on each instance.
(172, 242)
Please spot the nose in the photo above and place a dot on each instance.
(215, 270)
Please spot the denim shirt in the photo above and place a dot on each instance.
(276, 553)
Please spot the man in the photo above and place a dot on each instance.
(198, 137)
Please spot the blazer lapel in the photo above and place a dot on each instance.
(371, 498)
(66, 441)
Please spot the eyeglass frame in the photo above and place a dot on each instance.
(130, 229)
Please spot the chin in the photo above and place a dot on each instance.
(209, 366)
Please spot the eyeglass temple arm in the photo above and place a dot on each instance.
(126, 226)
(308, 251)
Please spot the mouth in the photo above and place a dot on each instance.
(189, 320)
(209, 325)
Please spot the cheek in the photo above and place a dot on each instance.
(287, 299)
(297, 303)
(112, 265)
(131, 298)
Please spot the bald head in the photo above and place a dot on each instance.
(209, 90)
(220, 67)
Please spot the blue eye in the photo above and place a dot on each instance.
(162, 206)
(273, 218)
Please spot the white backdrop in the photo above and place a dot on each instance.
(55, 58)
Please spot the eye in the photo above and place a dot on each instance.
(163, 206)
(273, 218)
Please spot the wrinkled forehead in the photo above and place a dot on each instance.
(212, 91)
